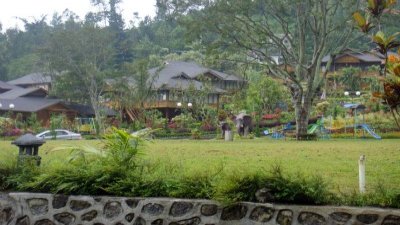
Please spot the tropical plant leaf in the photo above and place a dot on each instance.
(122, 147)
(396, 70)
(371, 4)
(390, 3)
(81, 152)
(384, 43)
(361, 21)
(374, 8)
(377, 7)
(379, 37)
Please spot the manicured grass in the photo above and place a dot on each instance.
(335, 160)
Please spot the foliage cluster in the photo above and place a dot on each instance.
(105, 177)
(385, 43)
(154, 119)
(14, 126)
(282, 188)
(150, 180)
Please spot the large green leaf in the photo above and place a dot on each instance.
(379, 38)
(362, 22)
(360, 19)
(384, 43)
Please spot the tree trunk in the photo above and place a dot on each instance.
(302, 116)
(394, 116)
(325, 78)
(302, 104)
(97, 115)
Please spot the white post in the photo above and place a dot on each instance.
(361, 173)
(228, 135)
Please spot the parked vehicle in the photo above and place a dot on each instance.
(59, 134)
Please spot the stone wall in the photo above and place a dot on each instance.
(47, 209)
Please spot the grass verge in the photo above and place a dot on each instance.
(317, 172)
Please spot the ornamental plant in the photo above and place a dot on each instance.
(366, 21)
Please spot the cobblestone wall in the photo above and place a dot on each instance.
(47, 209)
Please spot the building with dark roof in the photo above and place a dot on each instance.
(352, 58)
(36, 80)
(175, 83)
(15, 99)
(4, 87)
(43, 108)
(26, 101)
(23, 92)
(174, 80)
(29, 94)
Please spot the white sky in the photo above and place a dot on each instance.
(30, 9)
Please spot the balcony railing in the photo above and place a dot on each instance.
(169, 104)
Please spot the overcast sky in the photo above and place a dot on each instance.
(30, 9)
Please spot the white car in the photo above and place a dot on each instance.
(59, 134)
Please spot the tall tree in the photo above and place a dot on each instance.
(298, 32)
(112, 19)
(82, 57)
(22, 47)
(131, 92)
(122, 44)
(3, 55)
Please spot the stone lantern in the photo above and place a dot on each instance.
(28, 148)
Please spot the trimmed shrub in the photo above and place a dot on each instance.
(284, 189)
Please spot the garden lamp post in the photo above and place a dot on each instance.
(189, 107)
(352, 94)
(179, 108)
(11, 106)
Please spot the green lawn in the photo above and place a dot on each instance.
(334, 160)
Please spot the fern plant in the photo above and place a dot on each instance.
(121, 147)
